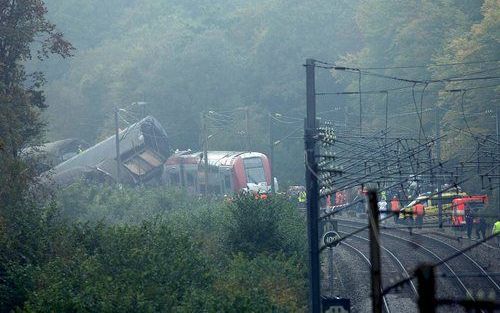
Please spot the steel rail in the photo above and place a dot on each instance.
(395, 258)
(485, 274)
(370, 265)
(437, 257)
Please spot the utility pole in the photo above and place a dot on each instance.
(247, 114)
(438, 158)
(205, 151)
(498, 155)
(386, 115)
(426, 289)
(312, 188)
(360, 105)
(386, 130)
(271, 147)
(117, 143)
(376, 281)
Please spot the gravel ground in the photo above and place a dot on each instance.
(411, 255)
(487, 254)
(351, 278)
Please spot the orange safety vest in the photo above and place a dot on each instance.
(395, 205)
(419, 209)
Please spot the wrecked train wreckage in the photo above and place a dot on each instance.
(144, 147)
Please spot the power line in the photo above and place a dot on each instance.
(421, 130)
(381, 91)
(471, 88)
(415, 81)
(415, 66)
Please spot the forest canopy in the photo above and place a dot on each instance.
(66, 65)
(194, 56)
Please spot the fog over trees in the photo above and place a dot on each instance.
(193, 56)
(66, 64)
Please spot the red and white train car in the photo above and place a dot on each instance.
(228, 172)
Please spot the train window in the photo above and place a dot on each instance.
(254, 170)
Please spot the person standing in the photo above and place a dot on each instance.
(382, 207)
(496, 231)
(469, 220)
(481, 228)
(419, 210)
(395, 208)
(408, 217)
(302, 198)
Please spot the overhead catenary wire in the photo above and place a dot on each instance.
(354, 176)
(415, 66)
(463, 77)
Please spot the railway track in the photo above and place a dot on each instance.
(393, 267)
(417, 248)
(367, 261)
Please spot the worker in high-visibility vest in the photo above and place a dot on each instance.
(395, 208)
(496, 231)
(302, 198)
(419, 211)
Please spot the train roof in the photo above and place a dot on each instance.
(216, 158)
(227, 158)
(55, 148)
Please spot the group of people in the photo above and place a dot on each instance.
(416, 213)
(471, 220)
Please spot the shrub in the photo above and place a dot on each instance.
(264, 226)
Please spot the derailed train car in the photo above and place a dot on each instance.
(50, 154)
(228, 172)
(144, 147)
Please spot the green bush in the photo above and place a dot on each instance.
(138, 268)
(104, 249)
(264, 226)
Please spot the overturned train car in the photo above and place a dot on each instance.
(144, 147)
(228, 172)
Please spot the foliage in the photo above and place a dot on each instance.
(165, 252)
(23, 28)
(88, 202)
(23, 23)
(255, 226)
(142, 268)
(262, 284)
(99, 248)
(192, 56)
(409, 40)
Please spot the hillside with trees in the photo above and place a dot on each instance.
(66, 64)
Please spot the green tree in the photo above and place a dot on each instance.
(194, 56)
(23, 28)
